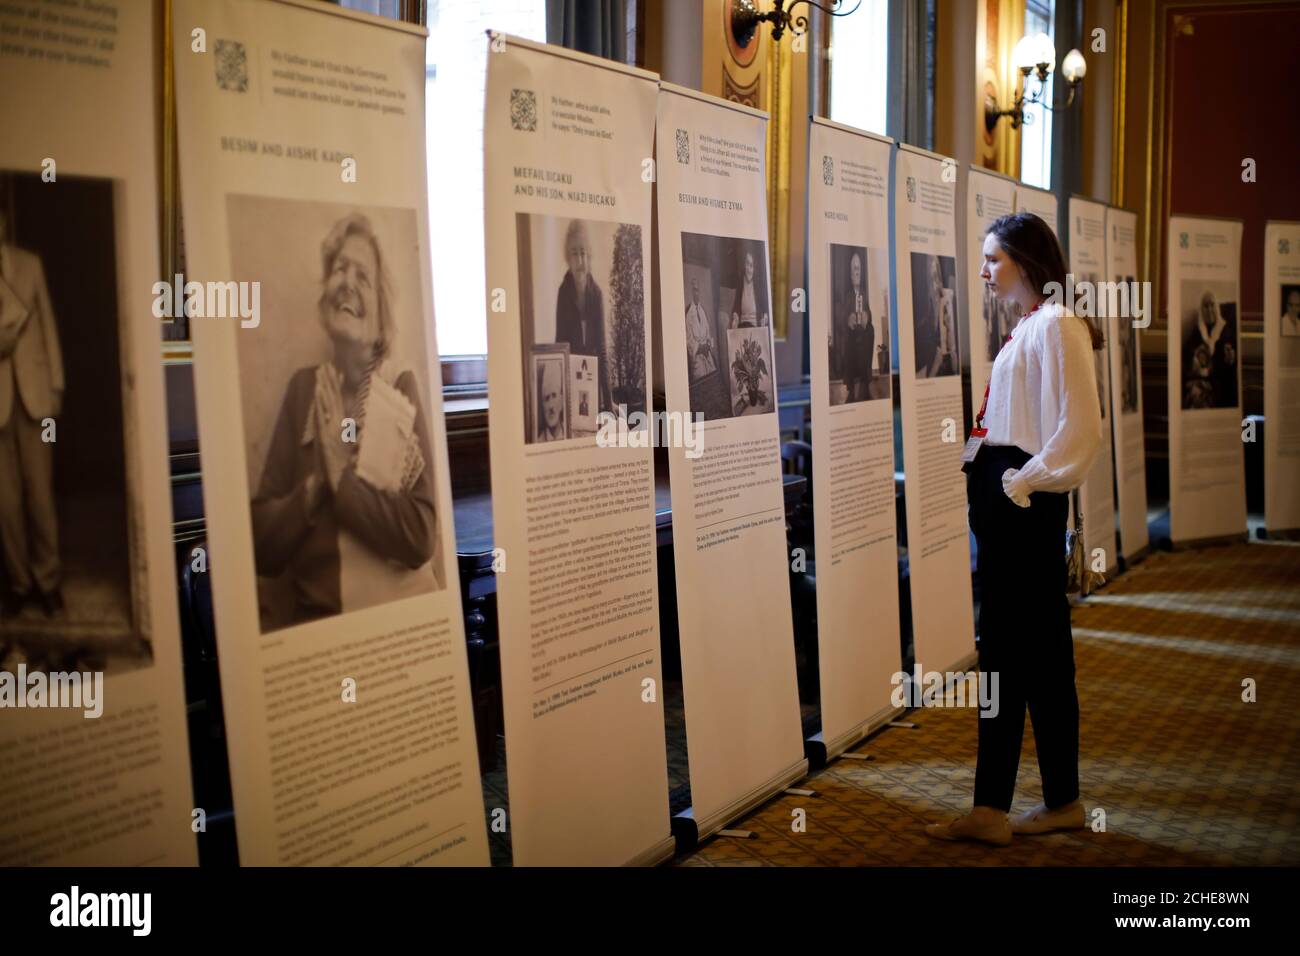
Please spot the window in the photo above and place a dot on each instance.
(455, 79)
(1036, 133)
(860, 66)
(394, 9)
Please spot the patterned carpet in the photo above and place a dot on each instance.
(1185, 771)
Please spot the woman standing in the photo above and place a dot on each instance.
(1043, 426)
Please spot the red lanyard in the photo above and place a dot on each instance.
(984, 406)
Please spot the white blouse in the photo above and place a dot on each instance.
(1043, 399)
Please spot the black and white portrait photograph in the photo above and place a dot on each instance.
(1291, 311)
(858, 341)
(934, 315)
(1128, 358)
(725, 289)
(73, 582)
(1099, 360)
(1210, 354)
(335, 388)
(999, 319)
(582, 286)
(548, 390)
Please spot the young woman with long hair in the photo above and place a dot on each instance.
(1044, 426)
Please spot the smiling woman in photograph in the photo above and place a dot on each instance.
(345, 506)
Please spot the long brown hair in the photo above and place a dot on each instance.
(1032, 245)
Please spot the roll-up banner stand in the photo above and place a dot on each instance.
(856, 560)
(1207, 481)
(1282, 379)
(342, 645)
(96, 768)
(1089, 299)
(988, 196)
(1042, 204)
(743, 722)
(1134, 311)
(568, 140)
(929, 366)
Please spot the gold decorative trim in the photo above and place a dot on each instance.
(737, 92)
(1118, 113)
(778, 78)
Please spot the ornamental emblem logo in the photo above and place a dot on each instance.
(911, 189)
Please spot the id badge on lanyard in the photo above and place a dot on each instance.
(977, 435)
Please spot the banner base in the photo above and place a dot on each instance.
(1210, 542)
(689, 832)
(1133, 559)
(1280, 534)
(655, 854)
(820, 752)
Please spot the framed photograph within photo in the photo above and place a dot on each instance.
(584, 400)
(548, 392)
(753, 390)
(703, 352)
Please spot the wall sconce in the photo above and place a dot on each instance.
(745, 18)
(1036, 54)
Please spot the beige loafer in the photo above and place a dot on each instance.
(1042, 820)
(963, 829)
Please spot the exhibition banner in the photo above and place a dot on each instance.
(339, 625)
(1041, 203)
(853, 430)
(929, 372)
(1127, 433)
(92, 708)
(1087, 224)
(1207, 480)
(988, 196)
(1282, 377)
(732, 559)
(568, 145)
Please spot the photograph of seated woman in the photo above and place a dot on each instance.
(346, 513)
(1044, 429)
(1209, 349)
(751, 305)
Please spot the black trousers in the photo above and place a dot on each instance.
(1024, 633)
